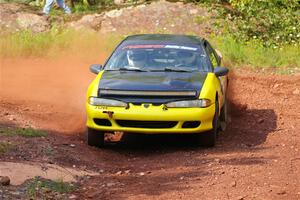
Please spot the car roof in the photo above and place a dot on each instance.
(162, 39)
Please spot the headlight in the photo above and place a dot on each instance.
(106, 102)
(201, 103)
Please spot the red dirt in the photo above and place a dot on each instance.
(52, 93)
(257, 157)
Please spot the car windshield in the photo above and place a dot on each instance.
(158, 58)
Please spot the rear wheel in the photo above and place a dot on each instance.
(95, 138)
(208, 139)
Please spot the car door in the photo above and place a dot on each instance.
(215, 61)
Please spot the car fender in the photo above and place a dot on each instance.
(211, 87)
(93, 87)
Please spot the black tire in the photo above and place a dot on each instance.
(224, 116)
(95, 138)
(209, 138)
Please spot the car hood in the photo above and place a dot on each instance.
(151, 81)
(157, 81)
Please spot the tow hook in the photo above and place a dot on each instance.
(165, 107)
(109, 113)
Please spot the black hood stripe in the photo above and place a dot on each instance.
(150, 87)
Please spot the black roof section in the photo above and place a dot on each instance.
(162, 38)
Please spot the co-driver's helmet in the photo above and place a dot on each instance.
(136, 58)
(186, 57)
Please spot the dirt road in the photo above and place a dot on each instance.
(257, 157)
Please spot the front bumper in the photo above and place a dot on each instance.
(141, 114)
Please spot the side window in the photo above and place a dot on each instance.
(214, 59)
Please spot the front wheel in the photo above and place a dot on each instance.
(95, 138)
(209, 138)
(224, 116)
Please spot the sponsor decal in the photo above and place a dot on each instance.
(101, 107)
(147, 46)
(181, 47)
(159, 46)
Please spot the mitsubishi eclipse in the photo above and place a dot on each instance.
(158, 84)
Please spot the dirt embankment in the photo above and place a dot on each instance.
(160, 16)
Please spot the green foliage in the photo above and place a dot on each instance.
(17, 1)
(81, 8)
(24, 132)
(274, 22)
(48, 150)
(5, 146)
(94, 2)
(253, 53)
(28, 43)
(199, 19)
(37, 188)
(55, 42)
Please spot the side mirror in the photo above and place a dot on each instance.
(221, 71)
(96, 68)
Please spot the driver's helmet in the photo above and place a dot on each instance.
(186, 57)
(136, 58)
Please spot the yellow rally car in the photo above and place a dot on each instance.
(158, 83)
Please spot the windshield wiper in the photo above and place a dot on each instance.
(135, 69)
(132, 69)
(171, 69)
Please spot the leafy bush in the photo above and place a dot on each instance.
(253, 53)
(5, 146)
(38, 188)
(57, 42)
(274, 22)
(90, 5)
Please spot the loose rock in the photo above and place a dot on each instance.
(281, 192)
(127, 171)
(4, 180)
(119, 173)
(233, 184)
(276, 86)
(119, 2)
(72, 197)
(260, 120)
(296, 92)
(114, 13)
(110, 184)
(141, 173)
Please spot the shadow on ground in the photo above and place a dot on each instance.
(248, 127)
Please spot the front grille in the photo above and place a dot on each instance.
(154, 104)
(102, 122)
(146, 124)
(190, 124)
(152, 97)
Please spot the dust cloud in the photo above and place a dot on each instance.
(52, 89)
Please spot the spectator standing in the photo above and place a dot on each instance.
(60, 3)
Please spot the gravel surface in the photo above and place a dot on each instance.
(257, 157)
